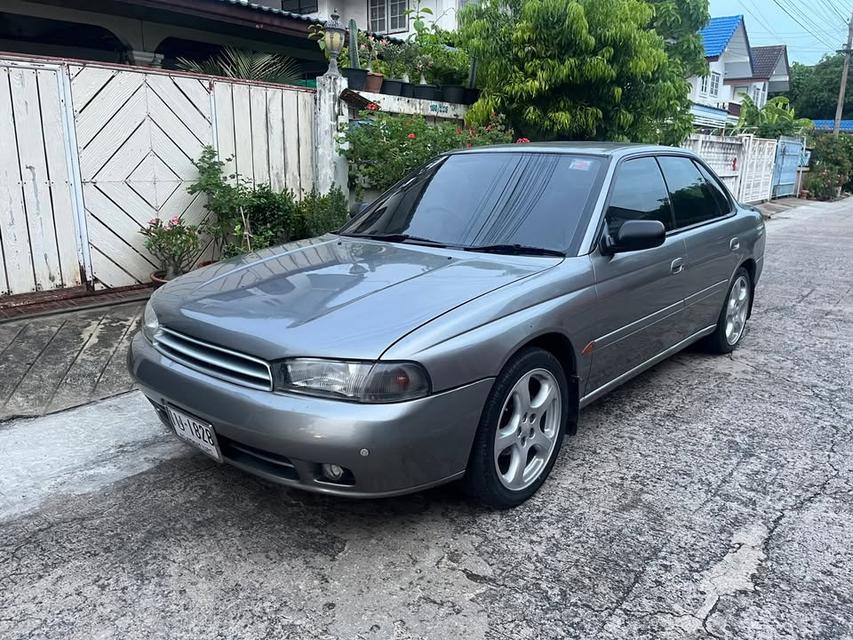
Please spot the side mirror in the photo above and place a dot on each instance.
(635, 235)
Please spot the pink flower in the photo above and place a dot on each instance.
(372, 106)
(411, 136)
(153, 221)
(175, 221)
(522, 141)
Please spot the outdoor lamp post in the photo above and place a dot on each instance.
(333, 34)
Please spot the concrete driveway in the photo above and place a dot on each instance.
(711, 497)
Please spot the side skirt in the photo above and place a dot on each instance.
(597, 393)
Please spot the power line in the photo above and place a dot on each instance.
(807, 17)
(822, 23)
(797, 20)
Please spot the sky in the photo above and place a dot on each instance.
(820, 29)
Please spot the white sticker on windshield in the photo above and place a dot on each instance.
(580, 165)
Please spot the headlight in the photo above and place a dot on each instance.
(374, 382)
(150, 324)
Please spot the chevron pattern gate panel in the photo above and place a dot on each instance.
(137, 135)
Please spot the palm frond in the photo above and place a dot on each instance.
(241, 64)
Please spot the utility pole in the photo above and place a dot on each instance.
(840, 107)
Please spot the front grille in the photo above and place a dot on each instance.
(266, 461)
(215, 361)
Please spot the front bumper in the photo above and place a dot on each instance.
(285, 438)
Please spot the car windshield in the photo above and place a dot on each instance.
(489, 200)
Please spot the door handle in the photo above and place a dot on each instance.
(677, 265)
(734, 245)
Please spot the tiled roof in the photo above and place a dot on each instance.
(279, 12)
(717, 33)
(827, 125)
(765, 59)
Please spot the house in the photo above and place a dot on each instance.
(735, 69)
(388, 17)
(158, 32)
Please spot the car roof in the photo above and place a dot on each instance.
(612, 149)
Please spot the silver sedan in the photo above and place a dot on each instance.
(453, 329)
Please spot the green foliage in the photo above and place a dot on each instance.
(776, 118)
(385, 148)
(831, 166)
(814, 89)
(173, 243)
(317, 214)
(245, 218)
(586, 69)
(246, 65)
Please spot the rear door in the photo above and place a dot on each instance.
(703, 212)
(640, 293)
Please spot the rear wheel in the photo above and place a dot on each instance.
(520, 431)
(731, 324)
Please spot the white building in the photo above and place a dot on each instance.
(735, 70)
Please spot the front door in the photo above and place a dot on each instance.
(701, 207)
(640, 293)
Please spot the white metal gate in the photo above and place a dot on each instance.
(39, 237)
(745, 163)
(756, 178)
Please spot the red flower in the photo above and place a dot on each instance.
(522, 141)
(411, 136)
(372, 106)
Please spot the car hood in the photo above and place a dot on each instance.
(332, 296)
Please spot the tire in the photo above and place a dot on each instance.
(726, 337)
(531, 431)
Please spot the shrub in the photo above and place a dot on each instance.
(245, 218)
(831, 166)
(385, 148)
(173, 243)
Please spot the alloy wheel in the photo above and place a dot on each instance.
(737, 308)
(528, 428)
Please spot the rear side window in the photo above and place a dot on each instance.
(693, 199)
(639, 193)
(714, 183)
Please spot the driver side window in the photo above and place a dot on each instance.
(638, 193)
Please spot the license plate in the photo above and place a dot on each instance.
(196, 432)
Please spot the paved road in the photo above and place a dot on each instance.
(710, 497)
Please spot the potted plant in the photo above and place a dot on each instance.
(424, 91)
(392, 55)
(174, 244)
(371, 49)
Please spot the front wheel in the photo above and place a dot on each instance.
(731, 324)
(520, 431)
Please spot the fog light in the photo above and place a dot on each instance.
(332, 472)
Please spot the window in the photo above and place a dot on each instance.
(717, 190)
(300, 6)
(638, 193)
(703, 85)
(715, 84)
(694, 200)
(387, 16)
(474, 199)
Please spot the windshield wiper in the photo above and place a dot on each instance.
(517, 249)
(397, 237)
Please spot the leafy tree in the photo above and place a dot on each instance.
(586, 69)
(246, 65)
(774, 119)
(831, 166)
(814, 89)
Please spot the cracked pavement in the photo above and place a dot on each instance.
(710, 497)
